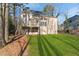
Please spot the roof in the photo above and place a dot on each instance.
(36, 12)
(74, 18)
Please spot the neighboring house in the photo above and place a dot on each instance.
(73, 23)
(36, 22)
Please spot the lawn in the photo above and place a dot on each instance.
(54, 45)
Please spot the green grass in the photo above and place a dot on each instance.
(54, 45)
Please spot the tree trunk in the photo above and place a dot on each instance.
(6, 22)
(14, 8)
(3, 22)
(2, 41)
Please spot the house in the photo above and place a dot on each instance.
(73, 24)
(36, 22)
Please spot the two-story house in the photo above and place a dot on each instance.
(35, 22)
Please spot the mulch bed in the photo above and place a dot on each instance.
(14, 48)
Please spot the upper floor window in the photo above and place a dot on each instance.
(43, 23)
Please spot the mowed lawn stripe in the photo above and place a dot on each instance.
(40, 46)
(52, 47)
(76, 50)
(74, 40)
(33, 46)
(46, 47)
(71, 38)
(67, 41)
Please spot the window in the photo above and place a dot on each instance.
(43, 23)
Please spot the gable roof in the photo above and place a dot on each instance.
(74, 18)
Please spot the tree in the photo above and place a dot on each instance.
(11, 27)
(66, 23)
(57, 15)
(49, 9)
(6, 22)
(19, 23)
(17, 29)
(2, 40)
(4, 17)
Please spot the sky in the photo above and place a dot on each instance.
(70, 9)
